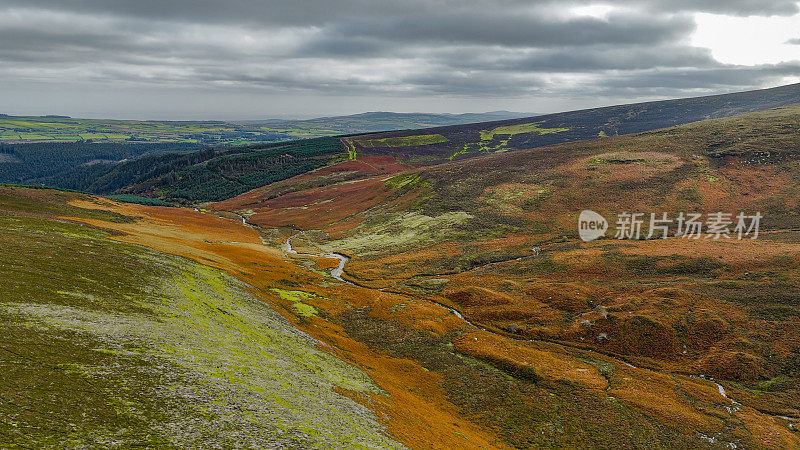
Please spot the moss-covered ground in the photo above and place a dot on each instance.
(404, 141)
(112, 344)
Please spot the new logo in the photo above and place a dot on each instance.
(591, 225)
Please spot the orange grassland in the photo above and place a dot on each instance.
(419, 409)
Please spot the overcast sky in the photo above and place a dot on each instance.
(239, 59)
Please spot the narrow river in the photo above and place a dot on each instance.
(336, 272)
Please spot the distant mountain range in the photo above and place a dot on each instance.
(190, 172)
(386, 121)
(50, 128)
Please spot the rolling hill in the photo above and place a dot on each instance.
(154, 343)
(441, 144)
(218, 173)
(24, 129)
(496, 239)
(371, 122)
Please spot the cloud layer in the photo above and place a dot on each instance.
(550, 52)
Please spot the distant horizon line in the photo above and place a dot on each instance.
(331, 116)
(278, 119)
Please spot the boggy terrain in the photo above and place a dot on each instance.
(187, 356)
(634, 328)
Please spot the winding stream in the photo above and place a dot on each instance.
(720, 387)
(336, 272)
(339, 270)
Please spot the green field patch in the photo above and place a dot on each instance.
(305, 310)
(497, 139)
(407, 180)
(352, 154)
(401, 230)
(34, 137)
(293, 296)
(139, 200)
(525, 128)
(403, 141)
(9, 135)
(463, 151)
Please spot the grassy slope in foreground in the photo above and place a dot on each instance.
(112, 344)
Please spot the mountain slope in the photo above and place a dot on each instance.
(246, 378)
(218, 173)
(112, 344)
(210, 173)
(445, 383)
(495, 237)
(458, 142)
(371, 122)
(51, 163)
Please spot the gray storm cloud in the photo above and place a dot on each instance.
(269, 57)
